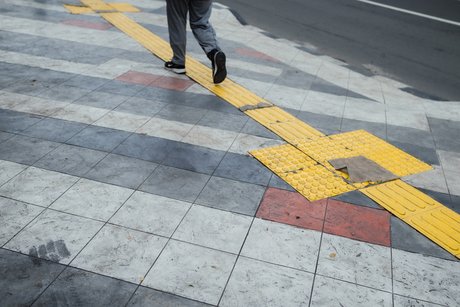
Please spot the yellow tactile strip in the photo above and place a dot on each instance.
(98, 6)
(428, 216)
(304, 174)
(75, 9)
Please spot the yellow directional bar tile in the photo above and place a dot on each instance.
(75, 9)
(310, 179)
(97, 5)
(425, 214)
(124, 7)
(362, 143)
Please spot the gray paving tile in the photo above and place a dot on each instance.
(231, 196)
(210, 102)
(445, 133)
(51, 76)
(194, 158)
(254, 128)
(12, 121)
(402, 301)
(141, 106)
(146, 297)
(28, 87)
(56, 130)
(120, 88)
(319, 120)
(376, 129)
(101, 100)
(79, 288)
(63, 93)
(277, 182)
(410, 136)
(181, 113)
(10, 41)
(224, 121)
(163, 95)
(123, 171)
(72, 160)
(86, 82)
(99, 138)
(358, 198)
(243, 168)
(5, 136)
(25, 150)
(24, 277)
(175, 183)
(427, 155)
(406, 238)
(145, 148)
(455, 203)
(295, 78)
(328, 88)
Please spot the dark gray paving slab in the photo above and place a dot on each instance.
(141, 106)
(445, 133)
(123, 171)
(376, 129)
(80, 288)
(28, 87)
(181, 113)
(25, 150)
(230, 195)
(254, 128)
(455, 203)
(10, 41)
(102, 100)
(99, 138)
(243, 168)
(23, 278)
(175, 183)
(358, 198)
(295, 78)
(194, 158)
(6, 81)
(277, 182)
(72, 160)
(12, 121)
(146, 297)
(425, 154)
(410, 136)
(56, 130)
(63, 93)
(145, 148)
(163, 95)
(450, 201)
(224, 121)
(5, 136)
(86, 82)
(120, 88)
(50, 76)
(210, 102)
(328, 88)
(406, 238)
(320, 120)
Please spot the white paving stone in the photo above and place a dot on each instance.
(9, 169)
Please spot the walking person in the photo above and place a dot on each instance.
(199, 12)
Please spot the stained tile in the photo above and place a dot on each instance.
(331, 292)
(214, 228)
(92, 199)
(99, 138)
(55, 130)
(145, 297)
(121, 253)
(172, 83)
(75, 286)
(283, 245)
(255, 283)
(146, 148)
(24, 278)
(245, 143)
(25, 150)
(354, 261)
(357, 222)
(151, 213)
(426, 278)
(175, 183)
(14, 215)
(80, 113)
(138, 77)
(191, 271)
(292, 208)
(72, 160)
(194, 158)
(243, 168)
(55, 236)
(231, 196)
(8, 170)
(37, 186)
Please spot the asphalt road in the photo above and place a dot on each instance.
(418, 51)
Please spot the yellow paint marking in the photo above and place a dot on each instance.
(425, 214)
(75, 9)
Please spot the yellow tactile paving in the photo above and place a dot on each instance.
(425, 214)
(304, 174)
(97, 5)
(124, 7)
(75, 9)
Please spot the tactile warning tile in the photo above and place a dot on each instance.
(425, 214)
(309, 178)
(362, 143)
(75, 9)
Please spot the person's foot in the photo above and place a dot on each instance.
(178, 69)
(219, 71)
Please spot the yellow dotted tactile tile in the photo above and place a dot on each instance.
(428, 216)
(304, 174)
(75, 9)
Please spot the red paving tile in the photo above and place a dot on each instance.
(255, 54)
(292, 208)
(138, 77)
(357, 222)
(88, 24)
(172, 83)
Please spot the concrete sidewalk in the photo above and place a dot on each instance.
(123, 184)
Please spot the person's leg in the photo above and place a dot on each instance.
(200, 11)
(177, 19)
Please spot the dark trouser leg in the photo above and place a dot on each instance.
(177, 18)
(200, 11)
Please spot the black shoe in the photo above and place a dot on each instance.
(219, 72)
(178, 69)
